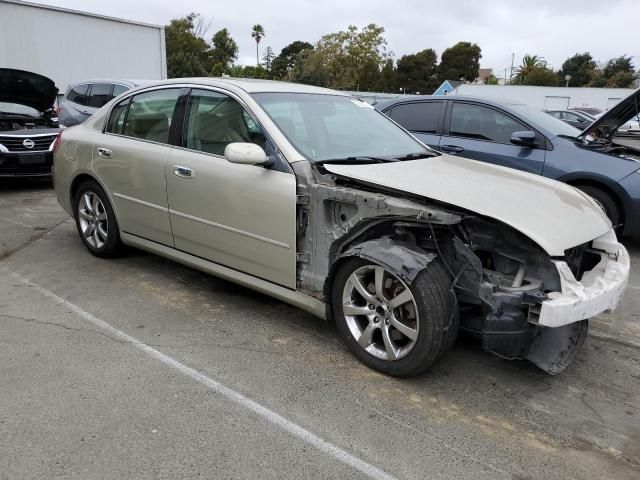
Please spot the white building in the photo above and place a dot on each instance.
(548, 98)
(69, 45)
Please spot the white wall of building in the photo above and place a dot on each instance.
(548, 98)
(68, 46)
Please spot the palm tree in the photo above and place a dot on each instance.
(529, 64)
(257, 32)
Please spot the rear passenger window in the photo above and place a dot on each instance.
(482, 123)
(78, 94)
(149, 115)
(215, 120)
(421, 117)
(100, 94)
(116, 120)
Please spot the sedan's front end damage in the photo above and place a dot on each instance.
(516, 298)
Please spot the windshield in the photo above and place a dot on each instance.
(333, 127)
(546, 121)
(17, 109)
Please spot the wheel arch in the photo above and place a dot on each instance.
(404, 260)
(605, 184)
(78, 180)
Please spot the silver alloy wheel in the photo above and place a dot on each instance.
(92, 217)
(380, 312)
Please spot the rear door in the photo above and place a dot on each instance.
(484, 133)
(130, 161)
(422, 119)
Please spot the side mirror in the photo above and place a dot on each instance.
(526, 138)
(245, 154)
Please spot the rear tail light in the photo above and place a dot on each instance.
(55, 146)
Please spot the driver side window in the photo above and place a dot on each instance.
(215, 120)
(482, 123)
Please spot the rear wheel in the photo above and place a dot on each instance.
(606, 201)
(96, 221)
(393, 327)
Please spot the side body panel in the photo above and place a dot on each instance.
(135, 178)
(239, 216)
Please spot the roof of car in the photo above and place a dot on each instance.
(254, 85)
(489, 101)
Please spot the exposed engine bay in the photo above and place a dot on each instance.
(499, 276)
(10, 123)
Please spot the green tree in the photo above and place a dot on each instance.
(350, 59)
(619, 72)
(418, 72)
(267, 59)
(462, 61)
(541, 76)
(224, 52)
(387, 81)
(188, 54)
(529, 64)
(491, 80)
(257, 33)
(254, 72)
(283, 64)
(581, 67)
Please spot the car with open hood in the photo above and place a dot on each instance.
(28, 123)
(317, 199)
(521, 137)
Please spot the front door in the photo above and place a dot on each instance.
(239, 216)
(483, 133)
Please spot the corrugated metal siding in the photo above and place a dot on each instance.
(69, 47)
(548, 97)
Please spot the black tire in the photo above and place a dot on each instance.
(112, 245)
(606, 201)
(437, 315)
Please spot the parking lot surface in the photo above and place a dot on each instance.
(141, 368)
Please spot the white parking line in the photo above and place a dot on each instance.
(215, 386)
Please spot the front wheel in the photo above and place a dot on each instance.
(395, 328)
(96, 221)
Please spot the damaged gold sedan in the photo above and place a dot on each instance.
(313, 197)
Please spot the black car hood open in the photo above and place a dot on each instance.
(617, 116)
(27, 88)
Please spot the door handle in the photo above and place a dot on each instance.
(183, 172)
(451, 149)
(104, 152)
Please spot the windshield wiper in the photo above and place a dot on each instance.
(359, 159)
(416, 156)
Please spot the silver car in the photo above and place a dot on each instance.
(315, 198)
(85, 98)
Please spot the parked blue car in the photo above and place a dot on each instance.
(522, 137)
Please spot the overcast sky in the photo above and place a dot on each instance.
(554, 29)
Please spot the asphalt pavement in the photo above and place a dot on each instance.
(141, 368)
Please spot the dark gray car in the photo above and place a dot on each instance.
(83, 99)
(522, 137)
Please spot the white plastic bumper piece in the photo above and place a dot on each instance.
(600, 289)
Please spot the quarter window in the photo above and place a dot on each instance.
(215, 120)
(482, 123)
(78, 94)
(421, 117)
(150, 113)
(116, 120)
